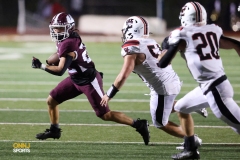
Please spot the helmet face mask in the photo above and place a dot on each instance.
(61, 26)
(193, 13)
(134, 27)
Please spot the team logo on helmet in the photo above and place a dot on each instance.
(134, 27)
(193, 13)
(63, 22)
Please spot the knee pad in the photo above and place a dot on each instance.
(158, 125)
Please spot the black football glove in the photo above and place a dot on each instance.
(101, 74)
(47, 62)
(36, 63)
(165, 44)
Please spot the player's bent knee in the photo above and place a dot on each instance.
(159, 125)
(183, 115)
(106, 117)
(51, 102)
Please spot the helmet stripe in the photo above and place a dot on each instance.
(199, 7)
(145, 25)
(198, 10)
(56, 18)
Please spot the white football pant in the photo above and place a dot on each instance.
(161, 108)
(219, 99)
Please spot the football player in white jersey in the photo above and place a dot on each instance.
(140, 56)
(199, 45)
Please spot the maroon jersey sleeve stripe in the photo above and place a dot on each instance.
(130, 43)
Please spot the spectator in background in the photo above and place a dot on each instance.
(234, 16)
(48, 8)
(75, 9)
(57, 7)
(215, 15)
(44, 9)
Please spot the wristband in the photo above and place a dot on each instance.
(43, 66)
(112, 91)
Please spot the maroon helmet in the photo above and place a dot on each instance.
(65, 23)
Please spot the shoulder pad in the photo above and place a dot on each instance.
(220, 30)
(174, 36)
(216, 28)
(131, 46)
(131, 43)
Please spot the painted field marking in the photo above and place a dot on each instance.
(45, 110)
(73, 100)
(107, 142)
(79, 100)
(102, 125)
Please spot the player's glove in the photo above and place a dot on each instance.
(36, 63)
(101, 74)
(165, 44)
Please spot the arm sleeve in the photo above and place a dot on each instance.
(165, 44)
(66, 65)
(166, 59)
(231, 40)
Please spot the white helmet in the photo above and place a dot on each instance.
(135, 27)
(61, 20)
(193, 13)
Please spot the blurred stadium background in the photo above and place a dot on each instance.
(105, 17)
(24, 33)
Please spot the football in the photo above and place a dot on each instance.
(53, 60)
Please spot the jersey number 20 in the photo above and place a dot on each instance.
(208, 39)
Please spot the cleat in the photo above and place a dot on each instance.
(144, 131)
(49, 133)
(186, 155)
(198, 143)
(203, 112)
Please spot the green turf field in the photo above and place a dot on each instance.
(23, 111)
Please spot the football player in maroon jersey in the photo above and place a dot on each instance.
(83, 79)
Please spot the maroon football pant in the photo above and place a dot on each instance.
(67, 89)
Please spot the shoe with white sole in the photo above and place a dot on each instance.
(198, 143)
(187, 155)
(203, 112)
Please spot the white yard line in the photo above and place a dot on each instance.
(102, 125)
(105, 83)
(107, 142)
(48, 90)
(45, 110)
(78, 100)
(74, 100)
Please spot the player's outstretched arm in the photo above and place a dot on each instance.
(59, 70)
(169, 55)
(36, 63)
(229, 43)
(127, 68)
